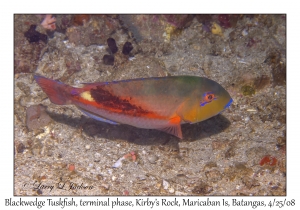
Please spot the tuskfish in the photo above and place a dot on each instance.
(162, 103)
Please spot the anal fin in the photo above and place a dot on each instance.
(96, 117)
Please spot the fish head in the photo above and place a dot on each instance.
(213, 100)
(210, 99)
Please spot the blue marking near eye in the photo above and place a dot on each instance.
(203, 103)
(228, 104)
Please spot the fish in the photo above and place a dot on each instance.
(162, 103)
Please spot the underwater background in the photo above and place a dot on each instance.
(241, 151)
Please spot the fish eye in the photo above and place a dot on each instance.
(207, 98)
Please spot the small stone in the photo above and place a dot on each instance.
(113, 178)
(97, 157)
(152, 159)
(171, 190)
(244, 32)
(20, 148)
(87, 147)
(247, 119)
(165, 184)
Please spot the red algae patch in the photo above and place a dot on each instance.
(268, 160)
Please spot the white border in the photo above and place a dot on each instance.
(9, 8)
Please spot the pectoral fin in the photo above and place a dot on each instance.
(174, 128)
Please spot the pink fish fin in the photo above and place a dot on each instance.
(173, 129)
(55, 90)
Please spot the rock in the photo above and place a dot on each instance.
(36, 117)
(127, 48)
(112, 45)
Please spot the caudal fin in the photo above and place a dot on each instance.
(56, 91)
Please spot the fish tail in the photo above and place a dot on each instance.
(56, 91)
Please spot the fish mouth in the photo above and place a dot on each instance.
(228, 104)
